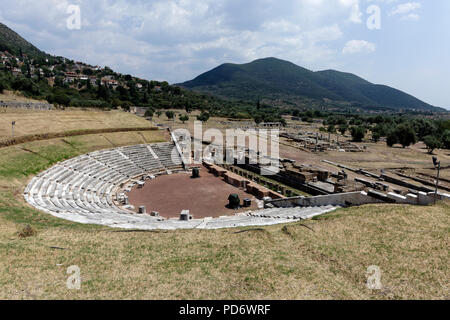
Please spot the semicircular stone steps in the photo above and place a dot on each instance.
(81, 190)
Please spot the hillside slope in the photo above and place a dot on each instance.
(272, 78)
(13, 43)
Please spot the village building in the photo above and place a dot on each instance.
(139, 111)
(109, 81)
(93, 80)
(16, 71)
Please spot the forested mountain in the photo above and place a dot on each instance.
(278, 80)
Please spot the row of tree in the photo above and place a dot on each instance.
(405, 130)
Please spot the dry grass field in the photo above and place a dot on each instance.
(37, 122)
(409, 244)
(323, 258)
(376, 156)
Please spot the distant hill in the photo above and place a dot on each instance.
(12, 42)
(279, 80)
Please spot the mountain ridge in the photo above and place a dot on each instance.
(274, 79)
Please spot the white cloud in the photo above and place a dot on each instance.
(406, 11)
(358, 46)
(411, 17)
(177, 39)
(404, 8)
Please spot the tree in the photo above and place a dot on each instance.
(37, 72)
(331, 129)
(88, 72)
(115, 103)
(184, 118)
(381, 129)
(2, 87)
(28, 70)
(203, 117)
(126, 105)
(177, 91)
(406, 135)
(424, 128)
(432, 143)
(145, 99)
(258, 119)
(170, 115)
(376, 136)
(358, 133)
(149, 113)
(61, 99)
(158, 113)
(103, 92)
(391, 138)
(446, 139)
(343, 129)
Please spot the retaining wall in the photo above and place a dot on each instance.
(341, 199)
(26, 105)
(359, 198)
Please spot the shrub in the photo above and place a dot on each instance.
(27, 231)
(184, 118)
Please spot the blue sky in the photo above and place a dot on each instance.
(176, 40)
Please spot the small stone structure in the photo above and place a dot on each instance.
(185, 215)
(142, 210)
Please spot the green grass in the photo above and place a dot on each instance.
(28, 163)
